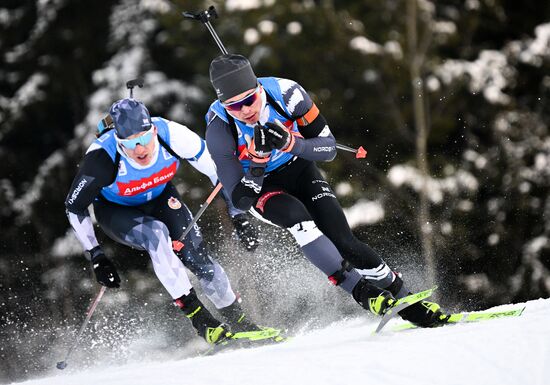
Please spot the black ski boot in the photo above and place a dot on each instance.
(372, 298)
(213, 331)
(234, 315)
(244, 329)
(423, 314)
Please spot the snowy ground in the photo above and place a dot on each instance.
(504, 351)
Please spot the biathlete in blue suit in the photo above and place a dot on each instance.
(126, 175)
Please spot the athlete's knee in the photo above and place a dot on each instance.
(298, 217)
(305, 232)
(160, 230)
(149, 234)
(199, 263)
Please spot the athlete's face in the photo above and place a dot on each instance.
(142, 154)
(246, 106)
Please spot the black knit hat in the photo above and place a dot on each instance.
(231, 75)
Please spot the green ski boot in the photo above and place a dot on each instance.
(372, 298)
(213, 331)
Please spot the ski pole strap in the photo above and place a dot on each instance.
(339, 276)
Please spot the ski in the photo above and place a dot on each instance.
(468, 317)
(248, 339)
(258, 335)
(401, 304)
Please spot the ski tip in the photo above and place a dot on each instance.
(361, 153)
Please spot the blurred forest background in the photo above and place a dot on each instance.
(450, 98)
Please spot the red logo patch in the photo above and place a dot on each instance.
(260, 204)
(136, 187)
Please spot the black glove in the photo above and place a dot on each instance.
(246, 232)
(278, 137)
(104, 270)
(260, 150)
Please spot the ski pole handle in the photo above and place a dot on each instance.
(63, 364)
(204, 17)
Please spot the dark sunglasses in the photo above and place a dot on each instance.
(248, 100)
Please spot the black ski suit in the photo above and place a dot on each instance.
(295, 196)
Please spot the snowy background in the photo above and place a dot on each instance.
(451, 100)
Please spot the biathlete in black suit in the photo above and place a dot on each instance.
(265, 135)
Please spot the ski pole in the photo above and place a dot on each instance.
(205, 16)
(63, 364)
(202, 209)
(359, 152)
(210, 198)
